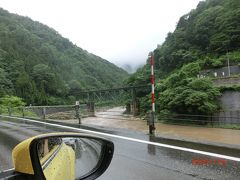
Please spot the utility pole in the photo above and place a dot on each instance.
(152, 116)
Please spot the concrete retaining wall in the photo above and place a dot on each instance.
(230, 101)
(228, 81)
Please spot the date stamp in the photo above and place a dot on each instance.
(208, 162)
(215, 162)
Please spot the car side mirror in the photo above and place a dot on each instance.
(63, 156)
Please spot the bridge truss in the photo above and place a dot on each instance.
(111, 94)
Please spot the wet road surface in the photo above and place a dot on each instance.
(131, 160)
(115, 118)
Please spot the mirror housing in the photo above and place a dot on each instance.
(26, 160)
(21, 157)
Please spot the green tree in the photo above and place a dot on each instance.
(26, 88)
(5, 84)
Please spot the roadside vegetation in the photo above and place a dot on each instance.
(13, 105)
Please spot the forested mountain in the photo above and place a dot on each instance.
(212, 29)
(42, 67)
(204, 38)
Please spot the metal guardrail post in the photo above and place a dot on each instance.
(9, 111)
(93, 108)
(77, 109)
(44, 112)
(212, 121)
(23, 113)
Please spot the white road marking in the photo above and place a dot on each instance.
(133, 139)
(7, 170)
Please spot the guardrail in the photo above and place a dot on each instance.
(61, 112)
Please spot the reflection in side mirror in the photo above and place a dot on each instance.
(69, 157)
(62, 156)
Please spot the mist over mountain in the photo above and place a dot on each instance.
(131, 68)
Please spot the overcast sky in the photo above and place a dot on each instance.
(121, 31)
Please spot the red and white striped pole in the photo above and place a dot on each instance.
(151, 124)
(152, 79)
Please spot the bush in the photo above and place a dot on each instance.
(184, 93)
(11, 101)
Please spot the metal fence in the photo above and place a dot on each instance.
(217, 119)
(73, 112)
(63, 112)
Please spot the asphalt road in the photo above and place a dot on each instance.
(131, 160)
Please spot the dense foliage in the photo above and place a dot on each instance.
(42, 67)
(182, 92)
(204, 38)
(211, 30)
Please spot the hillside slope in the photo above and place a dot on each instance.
(209, 31)
(204, 38)
(39, 65)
